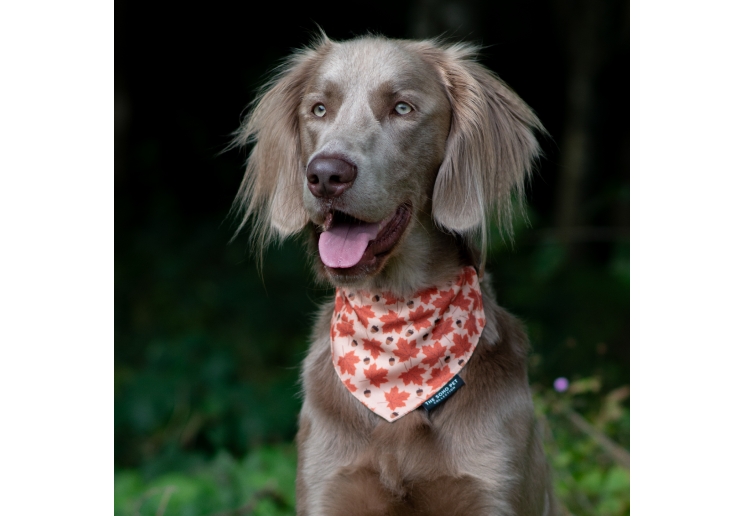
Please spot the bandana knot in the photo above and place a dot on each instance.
(393, 354)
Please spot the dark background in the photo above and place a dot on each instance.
(206, 348)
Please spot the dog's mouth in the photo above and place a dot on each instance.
(347, 243)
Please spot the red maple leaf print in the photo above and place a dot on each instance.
(443, 328)
(477, 298)
(363, 313)
(345, 327)
(392, 322)
(461, 302)
(439, 377)
(413, 375)
(390, 299)
(433, 353)
(420, 317)
(347, 305)
(406, 350)
(349, 385)
(376, 376)
(444, 300)
(346, 363)
(470, 324)
(339, 302)
(396, 398)
(462, 345)
(469, 275)
(426, 294)
(373, 346)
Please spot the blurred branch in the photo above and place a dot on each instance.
(619, 454)
(169, 490)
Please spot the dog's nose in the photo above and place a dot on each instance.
(330, 177)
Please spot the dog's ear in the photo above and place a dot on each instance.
(490, 149)
(271, 190)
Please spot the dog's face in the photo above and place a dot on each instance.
(373, 125)
(383, 149)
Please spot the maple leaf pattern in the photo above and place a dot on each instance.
(420, 318)
(405, 350)
(345, 327)
(444, 299)
(350, 385)
(347, 363)
(462, 345)
(477, 298)
(433, 353)
(376, 376)
(392, 322)
(470, 324)
(373, 346)
(461, 302)
(439, 376)
(396, 398)
(443, 328)
(414, 375)
(427, 294)
(347, 305)
(364, 312)
(404, 345)
(469, 275)
(390, 299)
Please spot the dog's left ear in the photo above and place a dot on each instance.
(491, 146)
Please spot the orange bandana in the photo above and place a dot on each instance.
(393, 354)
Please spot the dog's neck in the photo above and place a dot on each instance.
(426, 257)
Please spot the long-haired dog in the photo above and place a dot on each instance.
(391, 156)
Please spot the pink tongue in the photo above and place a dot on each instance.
(343, 245)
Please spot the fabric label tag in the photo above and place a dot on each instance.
(445, 392)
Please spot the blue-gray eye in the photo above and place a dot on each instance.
(319, 110)
(402, 108)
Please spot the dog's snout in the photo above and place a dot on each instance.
(330, 177)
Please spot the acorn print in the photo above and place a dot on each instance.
(367, 393)
(376, 298)
(366, 360)
(447, 359)
(426, 336)
(419, 392)
(459, 323)
(389, 340)
(374, 329)
(354, 343)
(410, 304)
(394, 414)
(338, 316)
(410, 332)
(436, 321)
(461, 361)
(391, 361)
(351, 295)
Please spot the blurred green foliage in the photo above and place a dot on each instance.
(589, 478)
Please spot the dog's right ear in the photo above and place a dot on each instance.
(271, 190)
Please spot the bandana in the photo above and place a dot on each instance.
(393, 354)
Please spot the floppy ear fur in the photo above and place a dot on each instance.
(271, 190)
(490, 149)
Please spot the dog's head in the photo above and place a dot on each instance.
(389, 151)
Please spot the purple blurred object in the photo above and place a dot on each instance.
(560, 384)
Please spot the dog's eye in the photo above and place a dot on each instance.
(319, 110)
(402, 108)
